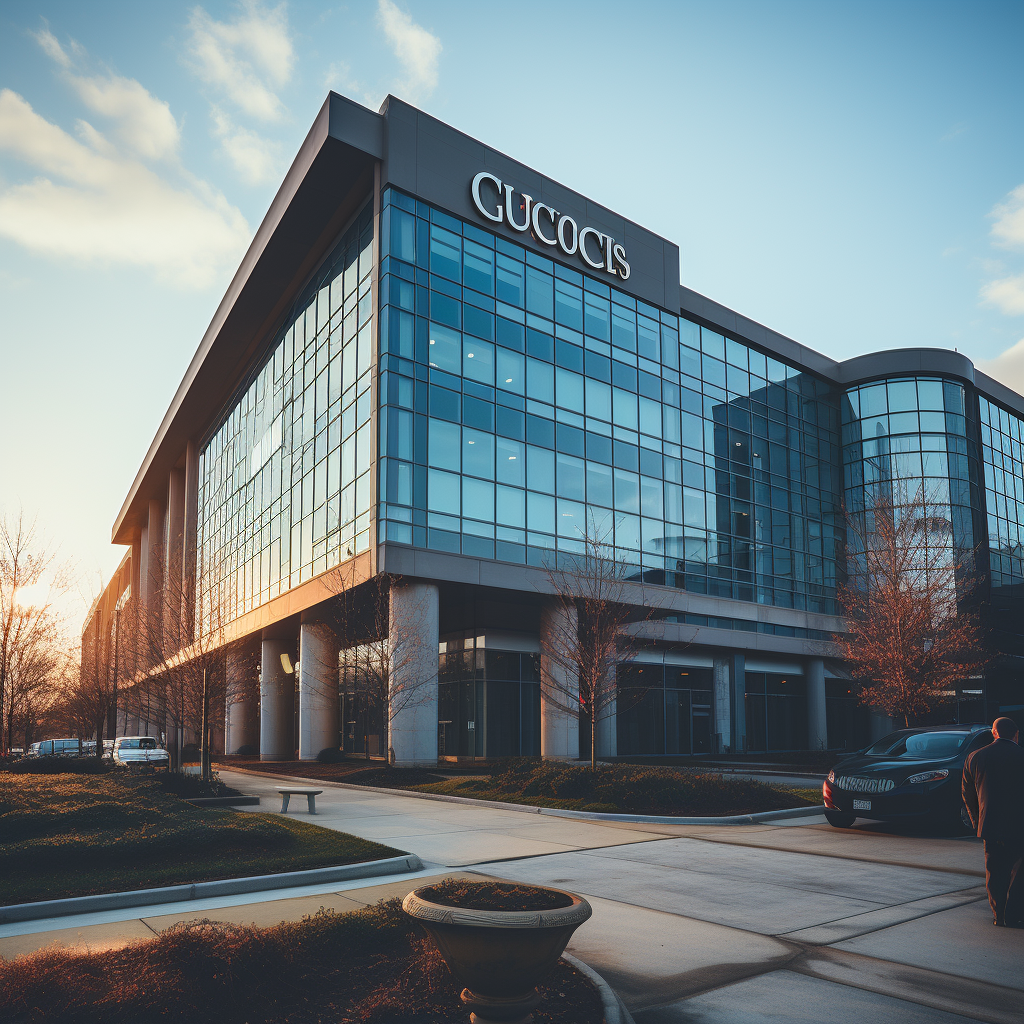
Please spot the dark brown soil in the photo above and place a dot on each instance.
(356, 772)
(454, 892)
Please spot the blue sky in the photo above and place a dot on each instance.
(849, 174)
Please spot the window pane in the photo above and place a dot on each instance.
(445, 348)
(443, 445)
(478, 361)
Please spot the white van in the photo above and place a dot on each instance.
(140, 752)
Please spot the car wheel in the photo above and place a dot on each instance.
(839, 819)
(965, 819)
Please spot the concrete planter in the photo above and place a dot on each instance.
(499, 956)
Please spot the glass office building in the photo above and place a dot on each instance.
(412, 380)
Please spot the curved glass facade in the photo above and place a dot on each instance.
(524, 403)
(909, 437)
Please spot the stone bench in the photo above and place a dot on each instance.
(287, 792)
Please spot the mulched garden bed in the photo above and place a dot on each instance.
(372, 966)
(359, 773)
(509, 896)
(623, 789)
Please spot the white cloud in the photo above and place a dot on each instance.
(1006, 294)
(254, 158)
(417, 50)
(142, 122)
(48, 41)
(91, 203)
(247, 59)
(1008, 228)
(1008, 367)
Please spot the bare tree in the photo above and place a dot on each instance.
(177, 638)
(98, 671)
(911, 631)
(589, 641)
(31, 583)
(380, 653)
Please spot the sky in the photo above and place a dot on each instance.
(850, 174)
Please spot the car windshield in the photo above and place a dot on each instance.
(919, 744)
(146, 743)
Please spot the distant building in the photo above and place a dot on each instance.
(437, 363)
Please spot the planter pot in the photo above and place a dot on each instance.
(499, 956)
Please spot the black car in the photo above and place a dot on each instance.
(911, 774)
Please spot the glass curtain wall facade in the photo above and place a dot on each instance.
(911, 439)
(1002, 446)
(524, 404)
(285, 485)
(488, 700)
(663, 710)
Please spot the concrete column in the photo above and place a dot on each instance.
(738, 675)
(817, 721)
(136, 565)
(722, 705)
(277, 702)
(155, 556)
(318, 690)
(412, 674)
(190, 534)
(142, 592)
(173, 538)
(559, 685)
(241, 709)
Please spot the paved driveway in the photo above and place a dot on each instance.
(794, 921)
(773, 922)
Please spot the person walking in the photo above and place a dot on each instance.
(993, 792)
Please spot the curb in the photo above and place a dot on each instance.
(223, 801)
(614, 1009)
(205, 890)
(651, 819)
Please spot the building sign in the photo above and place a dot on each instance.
(501, 204)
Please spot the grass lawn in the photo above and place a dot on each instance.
(373, 966)
(73, 835)
(625, 789)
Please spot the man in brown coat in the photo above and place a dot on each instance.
(993, 791)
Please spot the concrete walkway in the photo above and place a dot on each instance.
(794, 921)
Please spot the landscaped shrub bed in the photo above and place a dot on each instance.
(622, 788)
(345, 769)
(372, 966)
(72, 835)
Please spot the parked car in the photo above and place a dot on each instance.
(140, 752)
(108, 750)
(62, 748)
(911, 774)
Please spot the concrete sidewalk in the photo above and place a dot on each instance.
(790, 921)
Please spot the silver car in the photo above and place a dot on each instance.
(140, 752)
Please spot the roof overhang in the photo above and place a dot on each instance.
(329, 178)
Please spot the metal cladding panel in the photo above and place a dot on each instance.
(434, 162)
